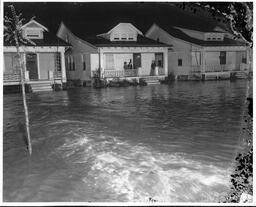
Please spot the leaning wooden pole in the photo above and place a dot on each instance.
(22, 77)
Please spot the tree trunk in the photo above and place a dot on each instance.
(22, 77)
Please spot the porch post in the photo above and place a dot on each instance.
(248, 59)
(203, 61)
(166, 61)
(63, 66)
(101, 63)
(38, 65)
(25, 67)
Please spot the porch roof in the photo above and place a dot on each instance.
(142, 41)
(181, 35)
(48, 40)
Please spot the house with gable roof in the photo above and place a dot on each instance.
(44, 60)
(121, 51)
(200, 53)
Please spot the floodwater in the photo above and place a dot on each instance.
(172, 143)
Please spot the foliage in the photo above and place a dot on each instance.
(116, 82)
(142, 82)
(238, 17)
(56, 87)
(242, 177)
(13, 32)
(169, 79)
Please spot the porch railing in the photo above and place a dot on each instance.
(57, 75)
(127, 73)
(196, 68)
(113, 73)
(161, 71)
(220, 68)
(12, 76)
(130, 72)
(244, 67)
(121, 73)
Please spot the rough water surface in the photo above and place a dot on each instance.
(172, 143)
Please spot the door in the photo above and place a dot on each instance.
(136, 60)
(31, 63)
(223, 55)
(159, 57)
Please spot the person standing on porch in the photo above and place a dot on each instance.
(153, 66)
(130, 64)
(125, 65)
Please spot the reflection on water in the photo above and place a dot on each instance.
(169, 143)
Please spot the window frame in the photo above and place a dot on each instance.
(179, 62)
(112, 61)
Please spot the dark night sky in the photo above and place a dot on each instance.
(98, 16)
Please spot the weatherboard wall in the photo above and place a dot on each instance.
(79, 48)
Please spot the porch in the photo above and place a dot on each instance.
(14, 78)
(125, 73)
(219, 68)
(41, 65)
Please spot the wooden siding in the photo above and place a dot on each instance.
(180, 50)
(79, 47)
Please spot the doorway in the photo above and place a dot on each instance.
(136, 60)
(31, 62)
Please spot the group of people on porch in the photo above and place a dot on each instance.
(129, 65)
(152, 71)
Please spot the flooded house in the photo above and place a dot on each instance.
(118, 50)
(202, 52)
(43, 59)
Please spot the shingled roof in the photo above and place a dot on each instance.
(49, 40)
(99, 41)
(177, 33)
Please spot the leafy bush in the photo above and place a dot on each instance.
(56, 87)
(142, 82)
(124, 83)
(134, 82)
(169, 79)
(242, 177)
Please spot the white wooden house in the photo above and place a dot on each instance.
(44, 62)
(112, 50)
(202, 54)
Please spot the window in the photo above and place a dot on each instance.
(116, 36)
(196, 58)
(57, 62)
(11, 63)
(159, 57)
(109, 61)
(130, 36)
(244, 59)
(179, 62)
(123, 36)
(73, 63)
(83, 61)
(223, 57)
(32, 34)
